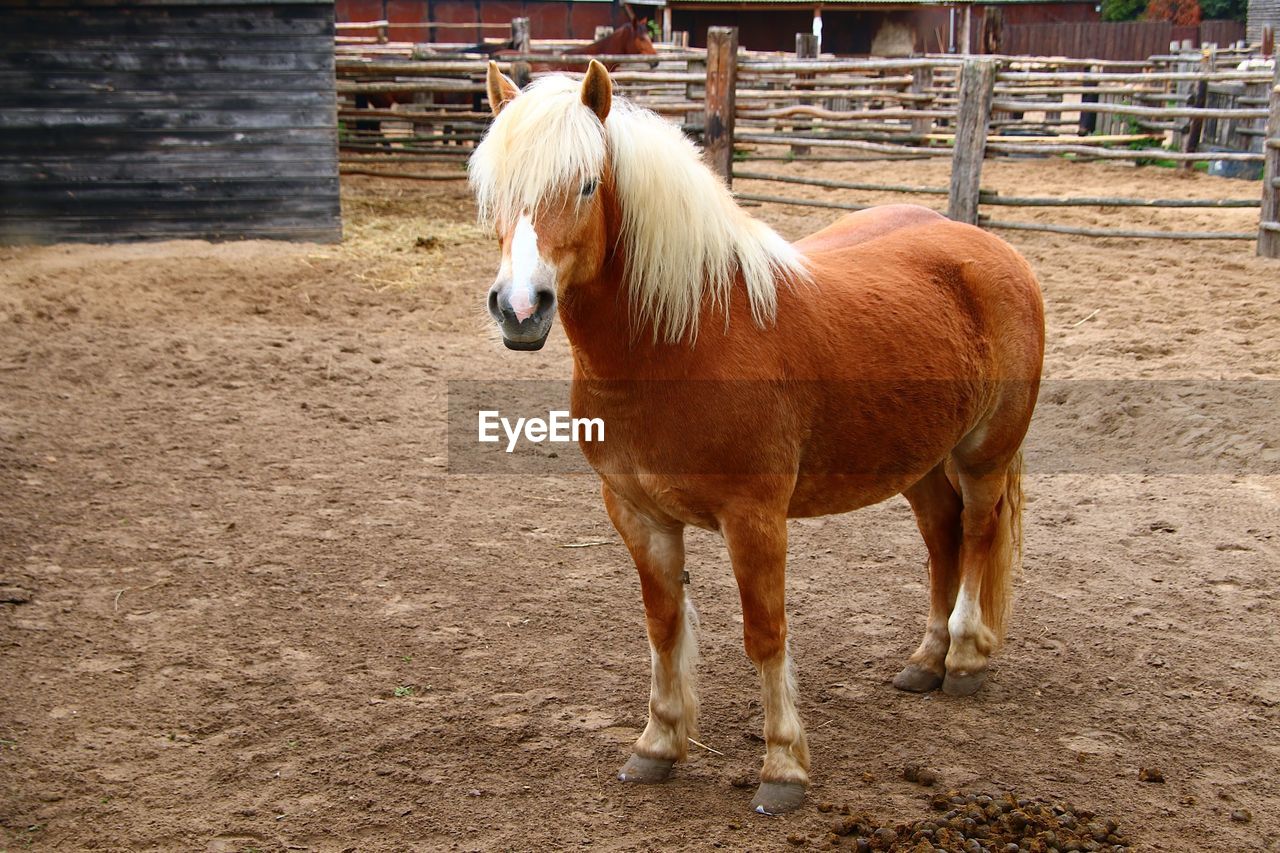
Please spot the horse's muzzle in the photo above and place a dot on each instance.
(524, 327)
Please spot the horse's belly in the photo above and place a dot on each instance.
(831, 494)
(866, 442)
(817, 448)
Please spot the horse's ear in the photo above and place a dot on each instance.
(501, 89)
(597, 90)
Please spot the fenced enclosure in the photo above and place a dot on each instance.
(425, 105)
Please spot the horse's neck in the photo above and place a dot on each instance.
(612, 43)
(597, 320)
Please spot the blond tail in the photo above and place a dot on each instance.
(1005, 559)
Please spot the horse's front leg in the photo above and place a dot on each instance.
(757, 543)
(657, 546)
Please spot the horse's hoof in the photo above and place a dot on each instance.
(645, 771)
(917, 679)
(963, 685)
(777, 797)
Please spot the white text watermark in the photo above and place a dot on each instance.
(558, 427)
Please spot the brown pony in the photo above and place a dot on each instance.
(744, 381)
(630, 39)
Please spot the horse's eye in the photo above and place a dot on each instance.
(588, 188)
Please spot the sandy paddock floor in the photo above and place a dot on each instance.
(224, 489)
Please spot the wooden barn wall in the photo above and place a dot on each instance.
(1262, 12)
(1106, 40)
(548, 19)
(762, 29)
(1221, 33)
(146, 122)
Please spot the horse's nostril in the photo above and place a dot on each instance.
(546, 301)
(493, 304)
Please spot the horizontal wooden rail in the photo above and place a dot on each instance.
(657, 77)
(580, 59)
(850, 94)
(844, 115)
(762, 98)
(346, 87)
(1089, 90)
(1008, 105)
(387, 25)
(1106, 201)
(750, 67)
(409, 68)
(1040, 61)
(419, 115)
(1091, 141)
(840, 185)
(800, 202)
(820, 142)
(1113, 232)
(414, 176)
(1124, 153)
(1171, 76)
(416, 158)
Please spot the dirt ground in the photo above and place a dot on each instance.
(264, 614)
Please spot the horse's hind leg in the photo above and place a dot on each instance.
(937, 509)
(991, 521)
(757, 544)
(658, 551)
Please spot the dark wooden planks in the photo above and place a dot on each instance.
(1088, 39)
(124, 121)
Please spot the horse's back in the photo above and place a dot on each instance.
(924, 263)
(866, 225)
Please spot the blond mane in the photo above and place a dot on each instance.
(685, 239)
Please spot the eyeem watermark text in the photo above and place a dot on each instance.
(557, 428)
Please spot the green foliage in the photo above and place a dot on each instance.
(1224, 10)
(1123, 10)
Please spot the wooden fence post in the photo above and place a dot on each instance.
(520, 35)
(722, 78)
(973, 115)
(695, 122)
(921, 82)
(521, 72)
(806, 48)
(1269, 219)
(1199, 99)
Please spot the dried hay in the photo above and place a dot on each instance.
(393, 240)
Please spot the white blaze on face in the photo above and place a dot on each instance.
(525, 265)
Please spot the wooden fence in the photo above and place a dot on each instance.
(753, 108)
(1131, 40)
